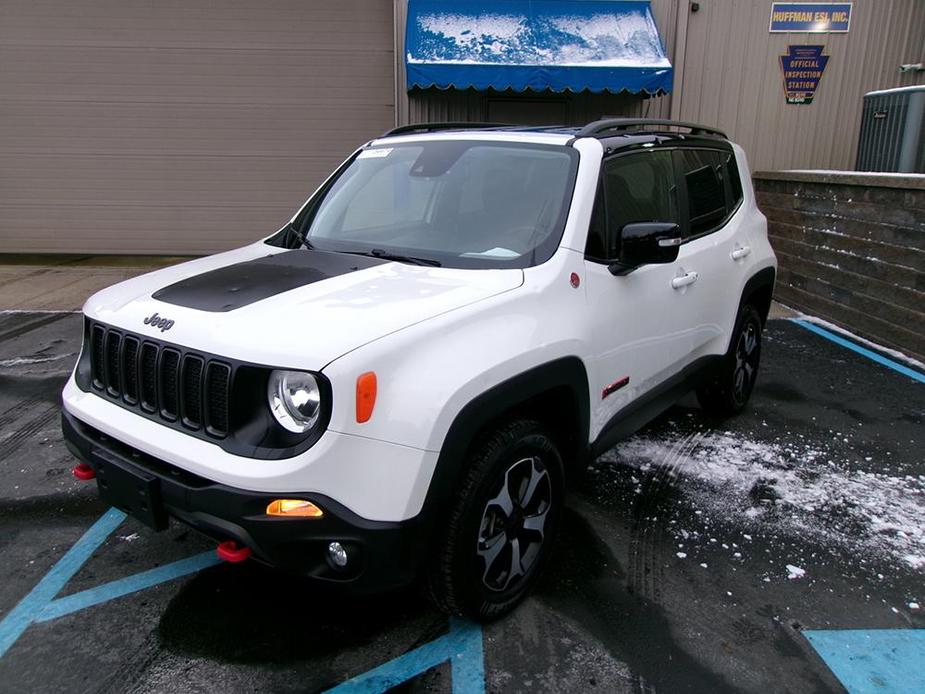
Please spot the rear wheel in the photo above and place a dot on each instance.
(502, 524)
(729, 391)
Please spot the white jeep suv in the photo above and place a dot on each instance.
(400, 382)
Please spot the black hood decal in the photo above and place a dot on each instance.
(233, 286)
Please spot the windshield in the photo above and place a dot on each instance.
(459, 203)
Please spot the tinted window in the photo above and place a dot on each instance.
(638, 187)
(702, 172)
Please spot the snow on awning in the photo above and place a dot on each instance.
(562, 45)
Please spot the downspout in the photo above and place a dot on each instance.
(680, 56)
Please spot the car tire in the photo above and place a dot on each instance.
(728, 391)
(501, 526)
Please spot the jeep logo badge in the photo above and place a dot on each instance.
(159, 322)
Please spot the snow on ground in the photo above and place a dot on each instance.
(801, 488)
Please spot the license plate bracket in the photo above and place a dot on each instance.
(130, 488)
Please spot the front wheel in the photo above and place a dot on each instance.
(729, 391)
(502, 524)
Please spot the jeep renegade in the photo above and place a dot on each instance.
(400, 382)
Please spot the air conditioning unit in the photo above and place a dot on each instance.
(893, 131)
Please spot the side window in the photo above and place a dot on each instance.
(637, 187)
(702, 173)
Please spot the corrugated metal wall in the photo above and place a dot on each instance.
(179, 126)
(727, 74)
(732, 78)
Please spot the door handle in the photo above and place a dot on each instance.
(684, 280)
(740, 252)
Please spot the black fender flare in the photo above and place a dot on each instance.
(761, 280)
(567, 374)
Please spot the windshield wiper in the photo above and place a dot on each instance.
(397, 257)
(300, 237)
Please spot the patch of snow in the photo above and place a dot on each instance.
(626, 39)
(898, 90)
(913, 606)
(681, 555)
(795, 572)
(23, 361)
(797, 487)
(129, 538)
(842, 172)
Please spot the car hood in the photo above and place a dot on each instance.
(297, 309)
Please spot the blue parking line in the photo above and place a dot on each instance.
(461, 647)
(19, 618)
(125, 586)
(873, 660)
(854, 347)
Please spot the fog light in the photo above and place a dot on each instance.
(337, 554)
(294, 508)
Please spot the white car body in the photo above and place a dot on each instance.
(437, 339)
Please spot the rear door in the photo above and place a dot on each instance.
(715, 246)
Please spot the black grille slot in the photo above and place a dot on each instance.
(148, 373)
(130, 369)
(113, 363)
(164, 382)
(169, 375)
(191, 393)
(218, 382)
(97, 342)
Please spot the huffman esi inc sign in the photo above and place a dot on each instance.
(810, 17)
(803, 67)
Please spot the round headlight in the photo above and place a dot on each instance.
(295, 400)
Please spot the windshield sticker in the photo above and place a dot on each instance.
(377, 153)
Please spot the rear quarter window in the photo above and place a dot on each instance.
(712, 188)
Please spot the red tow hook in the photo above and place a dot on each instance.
(83, 472)
(231, 552)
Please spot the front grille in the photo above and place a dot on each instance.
(130, 370)
(169, 373)
(162, 381)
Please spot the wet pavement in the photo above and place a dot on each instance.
(696, 556)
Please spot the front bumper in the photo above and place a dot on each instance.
(383, 555)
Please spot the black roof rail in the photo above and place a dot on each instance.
(601, 128)
(435, 127)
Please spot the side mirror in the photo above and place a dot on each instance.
(646, 243)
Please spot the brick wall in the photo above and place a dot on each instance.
(851, 248)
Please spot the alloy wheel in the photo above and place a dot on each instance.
(746, 367)
(513, 524)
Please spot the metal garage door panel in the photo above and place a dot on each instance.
(179, 127)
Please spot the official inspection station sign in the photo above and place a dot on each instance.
(810, 17)
(802, 67)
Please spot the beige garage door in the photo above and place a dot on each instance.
(179, 126)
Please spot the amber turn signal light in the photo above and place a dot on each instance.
(294, 508)
(366, 396)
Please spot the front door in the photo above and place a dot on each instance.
(639, 318)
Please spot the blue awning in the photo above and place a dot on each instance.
(561, 45)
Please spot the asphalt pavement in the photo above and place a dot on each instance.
(696, 556)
